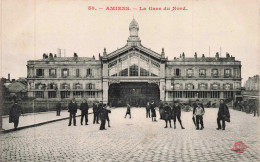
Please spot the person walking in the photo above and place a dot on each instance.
(72, 110)
(199, 112)
(84, 112)
(167, 115)
(152, 106)
(108, 108)
(103, 116)
(176, 112)
(58, 109)
(148, 114)
(128, 110)
(15, 113)
(223, 114)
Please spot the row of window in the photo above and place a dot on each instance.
(64, 72)
(67, 94)
(134, 71)
(204, 86)
(201, 94)
(203, 73)
(64, 86)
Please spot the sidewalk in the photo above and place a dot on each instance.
(36, 119)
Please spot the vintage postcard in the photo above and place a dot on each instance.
(130, 80)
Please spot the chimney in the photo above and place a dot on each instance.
(59, 52)
(163, 54)
(227, 55)
(55, 55)
(9, 76)
(195, 56)
(50, 55)
(44, 56)
(105, 53)
(217, 56)
(183, 56)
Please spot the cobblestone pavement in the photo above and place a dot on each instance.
(136, 139)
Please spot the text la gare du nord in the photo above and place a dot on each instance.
(113, 8)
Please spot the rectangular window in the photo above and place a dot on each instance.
(144, 72)
(65, 72)
(202, 73)
(39, 94)
(202, 94)
(178, 72)
(78, 94)
(91, 94)
(52, 72)
(51, 94)
(65, 94)
(227, 73)
(77, 73)
(123, 72)
(177, 94)
(228, 94)
(189, 72)
(89, 72)
(214, 73)
(214, 94)
(39, 72)
(134, 70)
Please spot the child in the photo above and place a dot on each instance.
(128, 110)
(199, 112)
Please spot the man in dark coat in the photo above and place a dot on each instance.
(99, 109)
(152, 106)
(167, 115)
(128, 110)
(176, 113)
(84, 112)
(58, 108)
(72, 110)
(95, 112)
(15, 113)
(223, 114)
(161, 111)
(148, 114)
(195, 105)
(108, 108)
(103, 117)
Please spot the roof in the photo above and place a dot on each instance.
(65, 59)
(17, 87)
(134, 24)
(204, 59)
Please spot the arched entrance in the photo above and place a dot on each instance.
(135, 93)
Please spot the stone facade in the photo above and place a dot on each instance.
(252, 84)
(207, 78)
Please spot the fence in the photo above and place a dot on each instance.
(36, 106)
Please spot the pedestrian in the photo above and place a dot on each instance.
(99, 109)
(108, 108)
(15, 113)
(195, 105)
(58, 108)
(152, 106)
(161, 106)
(167, 115)
(256, 108)
(199, 112)
(84, 112)
(72, 110)
(148, 114)
(95, 112)
(176, 113)
(223, 114)
(103, 116)
(128, 110)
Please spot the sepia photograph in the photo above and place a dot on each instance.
(130, 80)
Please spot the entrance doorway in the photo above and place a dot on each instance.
(136, 94)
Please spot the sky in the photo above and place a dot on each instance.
(30, 28)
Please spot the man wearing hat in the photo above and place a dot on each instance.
(223, 114)
(72, 110)
(15, 113)
(84, 112)
(95, 112)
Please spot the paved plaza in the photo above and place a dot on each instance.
(135, 139)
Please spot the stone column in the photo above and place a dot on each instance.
(105, 91)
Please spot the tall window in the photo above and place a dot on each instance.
(65, 72)
(51, 94)
(77, 72)
(144, 72)
(39, 72)
(39, 94)
(91, 94)
(52, 72)
(214, 73)
(189, 72)
(202, 73)
(89, 72)
(177, 72)
(227, 73)
(90, 86)
(65, 94)
(134, 70)
(78, 94)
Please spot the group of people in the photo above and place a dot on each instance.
(250, 106)
(100, 112)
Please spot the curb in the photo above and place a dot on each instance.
(35, 125)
